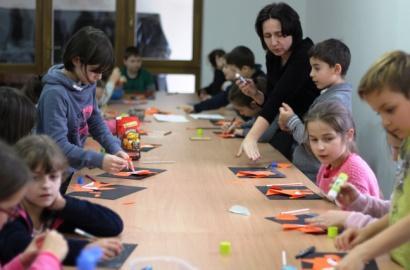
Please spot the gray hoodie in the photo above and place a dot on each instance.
(303, 158)
(68, 112)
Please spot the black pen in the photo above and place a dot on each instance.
(305, 252)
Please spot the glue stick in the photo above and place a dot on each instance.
(334, 190)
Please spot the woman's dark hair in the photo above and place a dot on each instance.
(93, 47)
(41, 151)
(288, 18)
(17, 114)
(14, 174)
(213, 54)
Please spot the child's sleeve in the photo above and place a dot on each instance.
(74, 249)
(90, 217)
(52, 112)
(14, 239)
(358, 220)
(216, 102)
(101, 133)
(268, 134)
(45, 261)
(369, 205)
(297, 128)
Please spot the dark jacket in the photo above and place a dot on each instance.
(290, 84)
(92, 218)
(221, 99)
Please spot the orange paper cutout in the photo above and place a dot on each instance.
(226, 135)
(154, 110)
(128, 203)
(283, 165)
(138, 172)
(303, 228)
(123, 174)
(95, 188)
(255, 174)
(292, 193)
(289, 217)
(323, 262)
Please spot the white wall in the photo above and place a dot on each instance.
(368, 27)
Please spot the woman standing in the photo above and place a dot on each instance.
(287, 63)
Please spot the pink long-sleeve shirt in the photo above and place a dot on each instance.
(43, 261)
(359, 172)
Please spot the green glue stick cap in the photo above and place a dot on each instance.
(332, 231)
(224, 248)
(199, 132)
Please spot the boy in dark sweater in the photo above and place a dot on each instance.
(240, 60)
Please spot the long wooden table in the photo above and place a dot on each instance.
(184, 211)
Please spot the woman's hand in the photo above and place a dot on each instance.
(250, 147)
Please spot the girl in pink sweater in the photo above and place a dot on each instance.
(46, 250)
(331, 133)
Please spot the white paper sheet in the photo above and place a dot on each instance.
(174, 118)
(205, 116)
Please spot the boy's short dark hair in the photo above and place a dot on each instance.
(288, 18)
(240, 56)
(92, 46)
(332, 51)
(131, 51)
(238, 98)
(213, 54)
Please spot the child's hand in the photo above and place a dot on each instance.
(248, 88)
(59, 203)
(115, 76)
(54, 243)
(113, 164)
(286, 112)
(111, 247)
(203, 95)
(347, 194)
(123, 155)
(349, 239)
(238, 132)
(329, 218)
(352, 261)
(395, 144)
(186, 108)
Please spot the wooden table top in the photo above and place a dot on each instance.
(184, 211)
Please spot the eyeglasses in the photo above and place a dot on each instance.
(12, 212)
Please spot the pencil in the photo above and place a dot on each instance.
(296, 211)
(167, 133)
(91, 178)
(85, 234)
